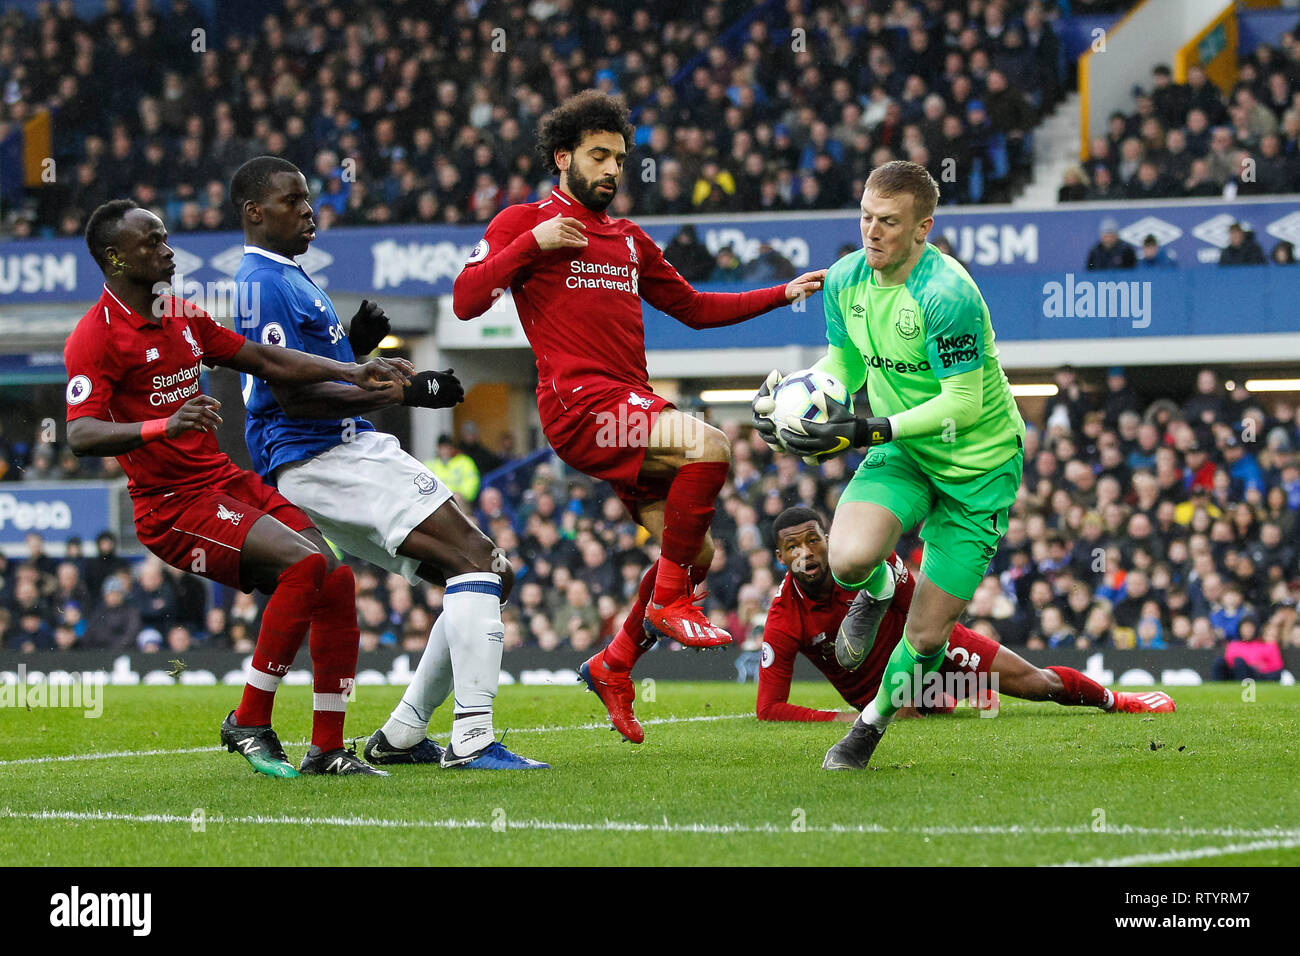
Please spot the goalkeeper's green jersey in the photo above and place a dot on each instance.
(903, 339)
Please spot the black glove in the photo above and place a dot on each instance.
(367, 329)
(840, 432)
(433, 390)
(763, 405)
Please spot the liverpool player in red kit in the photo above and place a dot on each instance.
(133, 364)
(809, 605)
(578, 278)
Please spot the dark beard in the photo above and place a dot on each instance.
(585, 192)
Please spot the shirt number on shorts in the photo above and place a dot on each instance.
(963, 658)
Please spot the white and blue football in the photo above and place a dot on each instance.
(794, 398)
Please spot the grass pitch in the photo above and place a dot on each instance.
(145, 784)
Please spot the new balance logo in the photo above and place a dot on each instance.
(337, 766)
(151, 355)
(225, 514)
(247, 745)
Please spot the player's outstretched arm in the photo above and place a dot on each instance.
(663, 287)
(92, 436)
(774, 677)
(291, 367)
(506, 248)
(332, 400)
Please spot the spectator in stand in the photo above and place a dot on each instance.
(456, 470)
(1111, 252)
(688, 256)
(115, 623)
(1283, 254)
(1074, 185)
(1250, 656)
(769, 265)
(1154, 257)
(1120, 397)
(485, 460)
(105, 563)
(1242, 249)
(729, 269)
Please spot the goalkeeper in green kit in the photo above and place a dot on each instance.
(945, 441)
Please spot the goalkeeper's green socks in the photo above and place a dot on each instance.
(879, 583)
(902, 682)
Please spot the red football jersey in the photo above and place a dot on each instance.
(581, 308)
(123, 367)
(799, 624)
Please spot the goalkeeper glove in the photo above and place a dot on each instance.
(763, 405)
(433, 390)
(368, 328)
(840, 432)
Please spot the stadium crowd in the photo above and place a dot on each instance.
(1138, 525)
(1191, 140)
(423, 111)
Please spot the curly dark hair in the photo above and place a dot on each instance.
(590, 111)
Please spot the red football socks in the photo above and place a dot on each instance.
(688, 512)
(284, 625)
(1080, 691)
(334, 644)
(631, 641)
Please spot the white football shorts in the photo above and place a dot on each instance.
(366, 496)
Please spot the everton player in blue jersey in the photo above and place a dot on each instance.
(363, 491)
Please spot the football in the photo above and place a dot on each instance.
(794, 398)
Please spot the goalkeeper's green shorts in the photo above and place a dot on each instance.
(963, 520)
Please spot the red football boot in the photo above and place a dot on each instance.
(1148, 702)
(684, 622)
(615, 690)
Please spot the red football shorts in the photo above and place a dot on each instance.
(203, 532)
(969, 652)
(603, 431)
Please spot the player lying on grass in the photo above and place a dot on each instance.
(809, 607)
(361, 488)
(134, 363)
(578, 277)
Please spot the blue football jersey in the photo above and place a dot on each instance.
(280, 305)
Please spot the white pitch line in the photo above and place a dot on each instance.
(544, 729)
(1176, 856)
(631, 826)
